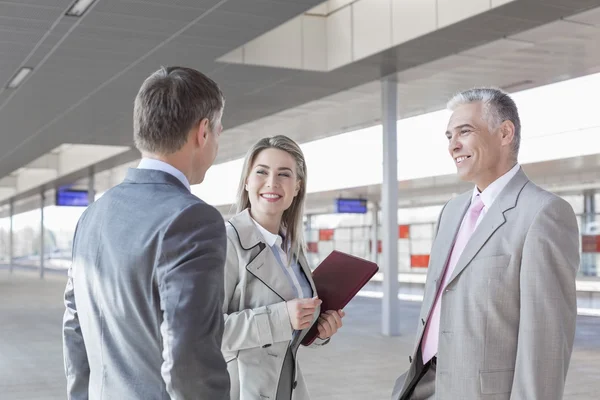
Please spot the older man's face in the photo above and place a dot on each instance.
(477, 152)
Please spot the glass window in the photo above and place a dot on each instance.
(26, 245)
(59, 226)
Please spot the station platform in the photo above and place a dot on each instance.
(358, 364)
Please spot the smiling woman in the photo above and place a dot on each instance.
(270, 298)
(273, 188)
(272, 185)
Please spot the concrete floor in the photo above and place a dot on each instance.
(359, 364)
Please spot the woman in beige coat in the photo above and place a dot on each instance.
(270, 297)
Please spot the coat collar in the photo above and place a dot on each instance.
(260, 262)
(248, 234)
(258, 257)
(138, 175)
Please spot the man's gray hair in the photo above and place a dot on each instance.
(498, 107)
(168, 105)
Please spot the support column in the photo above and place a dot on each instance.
(91, 186)
(11, 252)
(588, 260)
(42, 201)
(374, 235)
(391, 306)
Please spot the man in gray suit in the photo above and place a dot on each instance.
(145, 291)
(499, 309)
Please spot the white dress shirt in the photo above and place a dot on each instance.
(490, 194)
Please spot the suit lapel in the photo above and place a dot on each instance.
(447, 234)
(448, 228)
(260, 259)
(266, 268)
(493, 219)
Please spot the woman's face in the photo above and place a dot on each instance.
(272, 183)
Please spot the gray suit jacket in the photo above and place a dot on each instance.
(144, 296)
(508, 312)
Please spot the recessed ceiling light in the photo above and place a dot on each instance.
(19, 77)
(79, 8)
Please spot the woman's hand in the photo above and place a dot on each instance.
(329, 323)
(301, 312)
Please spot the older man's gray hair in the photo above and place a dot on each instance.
(498, 107)
(168, 105)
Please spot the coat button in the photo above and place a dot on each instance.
(294, 384)
(410, 359)
(266, 345)
(423, 321)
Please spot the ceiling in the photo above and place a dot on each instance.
(87, 70)
(553, 52)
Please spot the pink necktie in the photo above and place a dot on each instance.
(432, 330)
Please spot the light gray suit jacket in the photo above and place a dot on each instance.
(144, 296)
(508, 312)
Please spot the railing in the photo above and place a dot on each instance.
(414, 245)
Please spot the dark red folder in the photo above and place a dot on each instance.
(338, 279)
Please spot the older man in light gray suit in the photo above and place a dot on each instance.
(498, 315)
(144, 296)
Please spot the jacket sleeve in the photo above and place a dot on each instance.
(190, 285)
(250, 328)
(77, 369)
(548, 303)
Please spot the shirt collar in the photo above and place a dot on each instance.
(271, 238)
(150, 163)
(490, 194)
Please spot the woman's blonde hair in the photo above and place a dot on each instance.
(292, 222)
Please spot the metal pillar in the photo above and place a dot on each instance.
(42, 201)
(91, 188)
(588, 260)
(11, 252)
(374, 235)
(391, 306)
